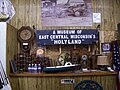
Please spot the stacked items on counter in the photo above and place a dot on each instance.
(28, 63)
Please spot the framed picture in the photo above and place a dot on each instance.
(106, 47)
(66, 12)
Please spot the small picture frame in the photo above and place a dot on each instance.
(106, 47)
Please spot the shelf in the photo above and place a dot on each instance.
(60, 74)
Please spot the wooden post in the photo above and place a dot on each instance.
(60, 49)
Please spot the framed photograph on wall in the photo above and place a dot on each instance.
(66, 12)
(106, 47)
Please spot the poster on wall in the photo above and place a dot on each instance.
(66, 12)
(60, 37)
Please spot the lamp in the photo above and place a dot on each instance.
(102, 62)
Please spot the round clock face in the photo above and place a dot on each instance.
(25, 34)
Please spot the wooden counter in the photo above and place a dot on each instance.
(52, 81)
(70, 74)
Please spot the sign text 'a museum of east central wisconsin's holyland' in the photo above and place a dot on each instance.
(51, 37)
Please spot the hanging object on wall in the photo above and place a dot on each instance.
(96, 17)
(6, 10)
(25, 36)
(64, 36)
(66, 13)
(106, 47)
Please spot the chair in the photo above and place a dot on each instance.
(88, 85)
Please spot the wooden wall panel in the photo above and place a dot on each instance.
(108, 82)
(11, 42)
(109, 35)
(28, 12)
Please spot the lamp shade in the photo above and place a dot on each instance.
(102, 60)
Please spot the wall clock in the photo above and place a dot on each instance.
(25, 36)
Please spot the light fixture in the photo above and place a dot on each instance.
(40, 52)
(102, 62)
